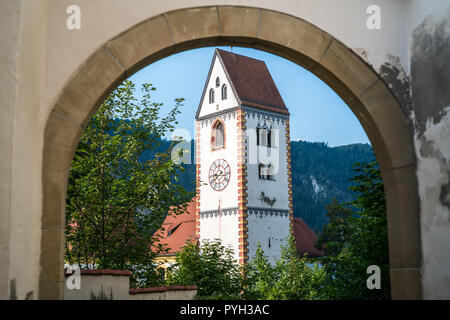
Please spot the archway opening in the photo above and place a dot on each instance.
(371, 101)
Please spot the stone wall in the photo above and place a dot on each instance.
(115, 285)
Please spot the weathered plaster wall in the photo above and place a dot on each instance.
(430, 86)
(100, 287)
(23, 49)
(117, 287)
(10, 24)
(211, 199)
(26, 200)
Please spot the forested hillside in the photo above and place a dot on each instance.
(319, 173)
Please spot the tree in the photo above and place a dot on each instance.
(336, 233)
(291, 277)
(211, 267)
(214, 270)
(358, 241)
(115, 199)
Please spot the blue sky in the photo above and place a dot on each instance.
(317, 112)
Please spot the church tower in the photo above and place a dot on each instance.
(243, 164)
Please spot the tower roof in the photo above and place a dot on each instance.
(251, 81)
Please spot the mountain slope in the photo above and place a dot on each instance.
(320, 173)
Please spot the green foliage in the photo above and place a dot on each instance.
(353, 242)
(291, 277)
(211, 267)
(115, 198)
(337, 231)
(218, 276)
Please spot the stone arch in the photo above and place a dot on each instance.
(290, 37)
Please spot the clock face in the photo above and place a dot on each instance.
(219, 174)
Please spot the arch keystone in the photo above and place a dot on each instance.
(136, 44)
(239, 21)
(193, 24)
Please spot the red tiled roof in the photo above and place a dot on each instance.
(178, 229)
(305, 239)
(252, 81)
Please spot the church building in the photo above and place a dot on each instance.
(243, 165)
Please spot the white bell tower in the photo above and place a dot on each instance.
(243, 158)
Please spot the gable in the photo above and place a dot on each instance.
(206, 108)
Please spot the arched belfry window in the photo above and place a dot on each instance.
(217, 82)
(211, 96)
(224, 92)
(264, 134)
(218, 136)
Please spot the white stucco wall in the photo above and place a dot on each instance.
(114, 287)
(223, 227)
(263, 227)
(275, 155)
(210, 199)
(267, 225)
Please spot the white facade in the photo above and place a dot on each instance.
(207, 108)
(268, 221)
(215, 223)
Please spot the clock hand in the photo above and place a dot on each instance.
(218, 174)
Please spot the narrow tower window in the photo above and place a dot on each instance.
(264, 134)
(217, 82)
(265, 172)
(218, 136)
(224, 92)
(211, 96)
